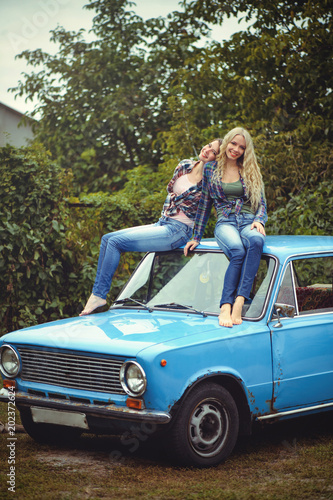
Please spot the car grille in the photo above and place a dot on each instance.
(82, 372)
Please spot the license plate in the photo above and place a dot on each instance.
(59, 417)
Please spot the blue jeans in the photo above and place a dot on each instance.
(165, 234)
(243, 247)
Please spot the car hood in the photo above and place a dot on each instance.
(117, 332)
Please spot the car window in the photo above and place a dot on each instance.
(255, 306)
(287, 291)
(137, 286)
(313, 279)
(307, 285)
(195, 281)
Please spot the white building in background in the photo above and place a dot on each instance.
(10, 131)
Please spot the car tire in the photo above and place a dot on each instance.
(48, 433)
(206, 427)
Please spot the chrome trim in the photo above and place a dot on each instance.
(269, 290)
(17, 371)
(124, 382)
(293, 412)
(293, 281)
(74, 371)
(111, 411)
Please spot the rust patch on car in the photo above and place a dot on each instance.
(252, 399)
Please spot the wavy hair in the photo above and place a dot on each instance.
(247, 164)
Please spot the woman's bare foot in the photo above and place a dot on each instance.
(225, 316)
(236, 315)
(93, 303)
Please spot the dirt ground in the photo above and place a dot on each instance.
(287, 461)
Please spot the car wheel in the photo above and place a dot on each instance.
(48, 433)
(206, 427)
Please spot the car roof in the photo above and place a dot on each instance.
(284, 246)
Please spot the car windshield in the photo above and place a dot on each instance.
(171, 280)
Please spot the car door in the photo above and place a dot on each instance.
(302, 346)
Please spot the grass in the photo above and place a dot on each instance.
(289, 460)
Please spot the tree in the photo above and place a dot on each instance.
(275, 78)
(146, 94)
(104, 103)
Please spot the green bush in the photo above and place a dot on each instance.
(309, 212)
(40, 274)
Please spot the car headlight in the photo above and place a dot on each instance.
(9, 361)
(133, 378)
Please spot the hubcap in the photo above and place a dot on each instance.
(208, 426)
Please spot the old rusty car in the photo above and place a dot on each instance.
(158, 364)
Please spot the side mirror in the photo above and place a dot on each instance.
(283, 310)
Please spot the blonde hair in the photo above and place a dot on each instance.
(247, 164)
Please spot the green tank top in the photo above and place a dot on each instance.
(234, 191)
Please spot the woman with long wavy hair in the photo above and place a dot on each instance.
(233, 184)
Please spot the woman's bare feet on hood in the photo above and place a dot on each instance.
(93, 303)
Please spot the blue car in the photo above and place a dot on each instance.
(157, 363)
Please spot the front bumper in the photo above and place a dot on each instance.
(92, 411)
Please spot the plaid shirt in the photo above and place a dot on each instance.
(212, 193)
(186, 202)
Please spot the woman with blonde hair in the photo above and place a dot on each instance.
(233, 184)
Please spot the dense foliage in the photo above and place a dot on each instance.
(35, 263)
(145, 92)
(118, 113)
(309, 212)
(103, 112)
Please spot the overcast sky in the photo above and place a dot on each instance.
(25, 25)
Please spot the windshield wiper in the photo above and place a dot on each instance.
(129, 299)
(181, 306)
